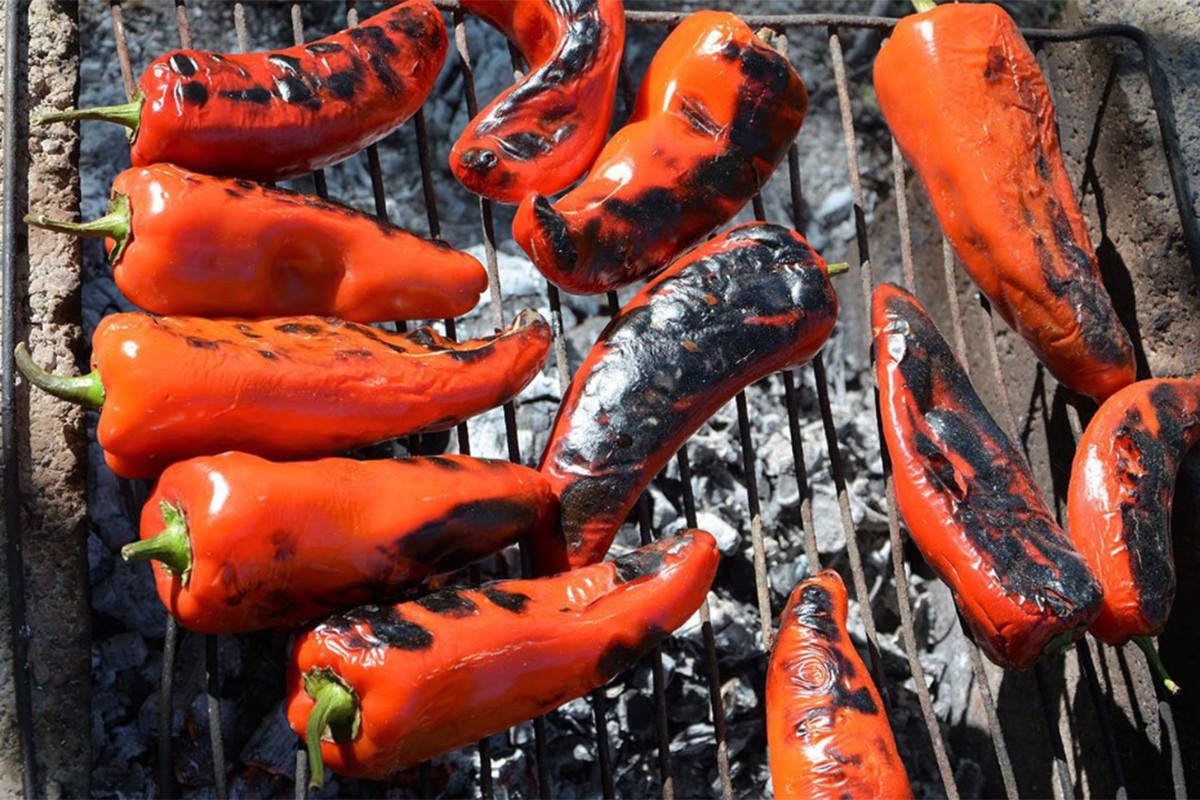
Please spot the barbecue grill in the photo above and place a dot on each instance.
(1112, 684)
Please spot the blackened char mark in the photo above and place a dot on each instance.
(555, 229)
(386, 627)
(372, 37)
(621, 656)
(306, 328)
(997, 64)
(442, 462)
(761, 99)
(201, 344)
(524, 145)
(194, 93)
(295, 91)
(323, 48)
(183, 65)
(289, 64)
(382, 68)
(509, 601)
(468, 532)
(815, 612)
(643, 563)
(345, 84)
(448, 603)
(255, 94)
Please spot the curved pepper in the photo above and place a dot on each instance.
(247, 544)
(827, 732)
(747, 303)
(381, 688)
(715, 115)
(543, 133)
(274, 115)
(1119, 504)
(284, 388)
(184, 243)
(970, 109)
(968, 499)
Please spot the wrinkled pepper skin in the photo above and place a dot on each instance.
(970, 109)
(1120, 496)
(715, 115)
(292, 387)
(275, 544)
(543, 133)
(747, 303)
(827, 732)
(274, 115)
(214, 247)
(968, 498)
(441, 672)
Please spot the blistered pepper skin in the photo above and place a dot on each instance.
(292, 387)
(1120, 497)
(715, 115)
(215, 247)
(274, 544)
(448, 669)
(280, 114)
(969, 107)
(543, 133)
(970, 503)
(827, 732)
(747, 303)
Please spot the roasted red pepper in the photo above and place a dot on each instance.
(1119, 504)
(246, 544)
(969, 107)
(381, 688)
(715, 115)
(970, 502)
(184, 243)
(827, 732)
(279, 114)
(747, 303)
(284, 388)
(543, 133)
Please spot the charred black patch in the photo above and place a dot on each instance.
(346, 355)
(267, 354)
(194, 93)
(442, 462)
(448, 603)
(509, 601)
(620, 657)
(183, 65)
(997, 64)
(247, 330)
(203, 344)
(345, 85)
(815, 612)
(234, 193)
(383, 70)
(255, 94)
(285, 62)
(721, 179)
(524, 146)
(294, 90)
(387, 627)
(324, 48)
(245, 184)
(372, 36)
(860, 700)
(479, 159)
(466, 533)
(641, 563)
(555, 229)
(698, 116)
(656, 208)
(307, 328)
(425, 337)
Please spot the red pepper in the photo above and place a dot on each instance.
(184, 243)
(970, 109)
(381, 688)
(543, 133)
(246, 544)
(751, 301)
(289, 387)
(1119, 505)
(970, 502)
(827, 732)
(279, 114)
(715, 115)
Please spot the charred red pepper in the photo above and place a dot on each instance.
(543, 133)
(970, 109)
(246, 544)
(715, 115)
(827, 732)
(969, 500)
(1119, 505)
(279, 114)
(184, 243)
(747, 303)
(381, 688)
(289, 387)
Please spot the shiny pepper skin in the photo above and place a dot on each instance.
(292, 387)
(716, 113)
(827, 731)
(543, 133)
(215, 247)
(968, 499)
(275, 544)
(1120, 497)
(441, 672)
(970, 109)
(751, 301)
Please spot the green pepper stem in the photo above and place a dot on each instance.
(924, 5)
(114, 225)
(172, 546)
(127, 114)
(84, 390)
(838, 267)
(336, 710)
(1156, 665)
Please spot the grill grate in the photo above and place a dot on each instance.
(834, 25)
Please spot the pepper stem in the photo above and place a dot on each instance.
(838, 267)
(172, 546)
(1156, 665)
(114, 225)
(924, 5)
(336, 710)
(84, 390)
(127, 114)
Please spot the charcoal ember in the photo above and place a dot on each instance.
(272, 746)
(128, 596)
